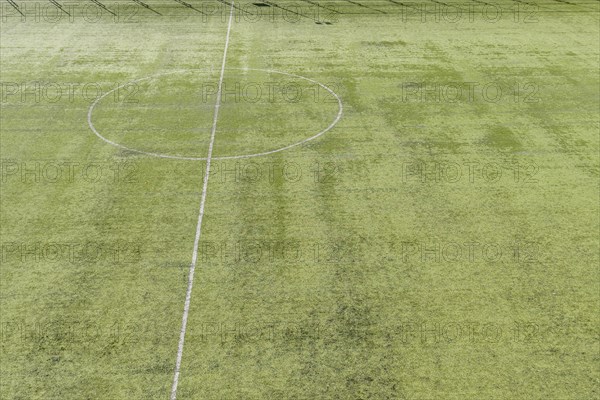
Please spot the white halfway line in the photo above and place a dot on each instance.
(188, 294)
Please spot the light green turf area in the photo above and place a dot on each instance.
(440, 242)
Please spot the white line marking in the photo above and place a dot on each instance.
(188, 294)
(181, 157)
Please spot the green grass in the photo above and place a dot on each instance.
(432, 245)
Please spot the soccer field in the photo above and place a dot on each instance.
(366, 199)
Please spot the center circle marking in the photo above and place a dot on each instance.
(180, 157)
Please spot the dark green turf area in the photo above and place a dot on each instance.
(439, 242)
